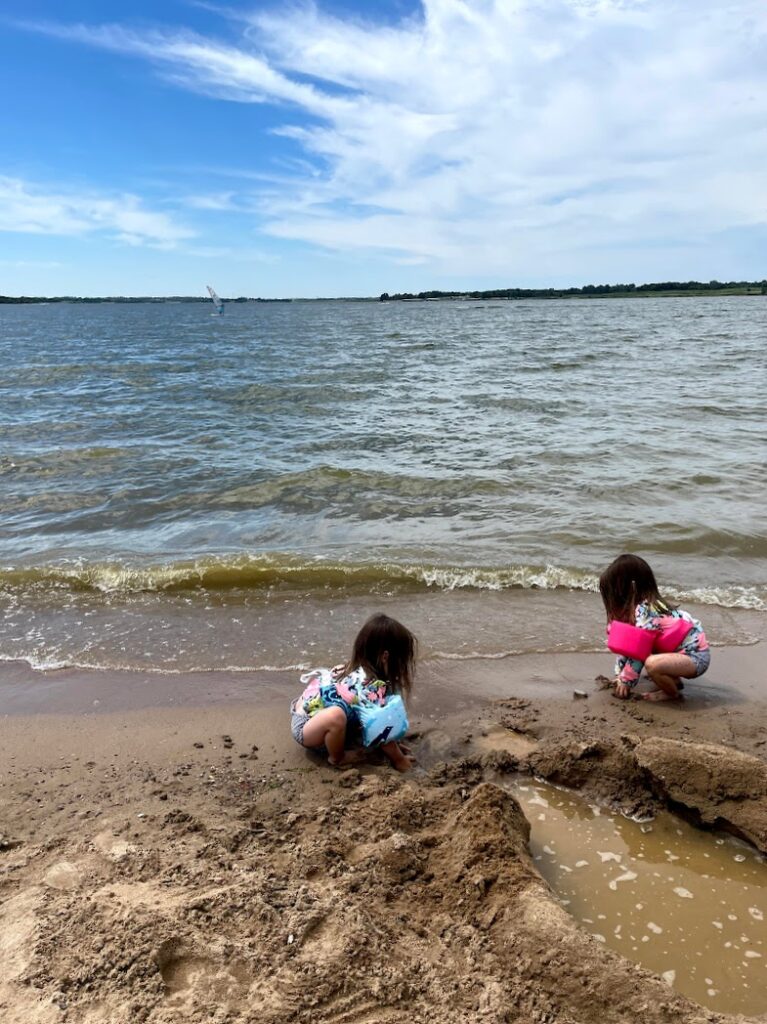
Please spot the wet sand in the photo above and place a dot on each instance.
(169, 854)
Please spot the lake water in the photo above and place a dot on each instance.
(179, 490)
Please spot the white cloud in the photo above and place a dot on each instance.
(491, 135)
(34, 209)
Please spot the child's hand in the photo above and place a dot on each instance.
(404, 762)
(622, 690)
(400, 757)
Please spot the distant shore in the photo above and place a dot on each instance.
(671, 289)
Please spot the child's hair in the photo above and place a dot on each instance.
(627, 582)
(382, 635)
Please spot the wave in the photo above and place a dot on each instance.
(313, 577)
(264, 572)
(51, 663)
(40, 661)
(337, 488)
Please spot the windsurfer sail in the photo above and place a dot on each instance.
(216, 301)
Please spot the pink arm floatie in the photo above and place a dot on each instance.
(668, 640)
(630, 641)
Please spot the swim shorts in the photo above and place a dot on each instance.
(701, 660)
(298, 720)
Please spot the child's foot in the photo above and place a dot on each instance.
(660, 695)
(349, 757)
(404, 763)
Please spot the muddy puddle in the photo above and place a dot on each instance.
(689, 905)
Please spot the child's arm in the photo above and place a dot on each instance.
(628, 670)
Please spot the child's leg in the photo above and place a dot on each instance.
(328, 729)
(666, 671)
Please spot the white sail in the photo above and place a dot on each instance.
(216, 300)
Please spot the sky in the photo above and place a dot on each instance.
(344, 148)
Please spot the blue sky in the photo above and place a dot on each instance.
(345, 148)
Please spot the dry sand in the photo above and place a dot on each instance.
(169, 854)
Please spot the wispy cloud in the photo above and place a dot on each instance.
(232, 254)
(31, 208)
(495, 134)
(32, 264)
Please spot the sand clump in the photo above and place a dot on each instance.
(712, 785)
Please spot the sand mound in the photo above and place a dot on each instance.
(389, 897)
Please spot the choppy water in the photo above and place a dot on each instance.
(163, 471)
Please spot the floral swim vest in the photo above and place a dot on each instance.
(329, 687)
(656, 617)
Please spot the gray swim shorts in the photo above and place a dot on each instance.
(701, 660)
(298, 720)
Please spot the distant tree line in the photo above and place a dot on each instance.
(589, 289)
(21, 299)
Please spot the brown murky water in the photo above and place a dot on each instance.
(686, 904)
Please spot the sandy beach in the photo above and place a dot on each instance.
(169, 854)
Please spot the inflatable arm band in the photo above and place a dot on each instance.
(671, 639)
(630, 641)
(382, 723)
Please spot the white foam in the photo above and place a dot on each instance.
(655, 928)
(669, 977)
(627, 876)
(607, 855)
(684, 893)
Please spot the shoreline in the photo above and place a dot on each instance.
(546, 675)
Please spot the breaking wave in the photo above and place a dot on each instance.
(313, 577)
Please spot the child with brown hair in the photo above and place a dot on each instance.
(645, 630)
(381, 667)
